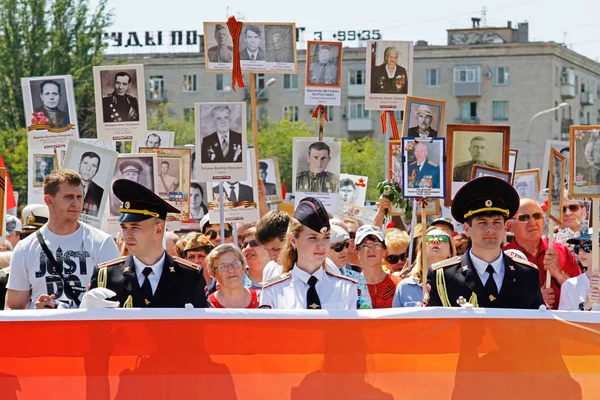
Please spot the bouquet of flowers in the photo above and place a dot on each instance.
(38, 118)
(393, 191)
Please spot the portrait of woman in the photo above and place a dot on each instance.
(389, 77)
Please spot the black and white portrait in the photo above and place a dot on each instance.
(220, 44)
(279, 43)
(169, 175)
(139, 168)
(563, 147)
(323, 64)
(252, 43)
(268, 170)
(44, 164)
(585, 162)
(221, 133)
(317, 167)
(155, 140)
(423, 117)
(482, 148)
(119, 95)
(353, 189)
(50, 101)
(556, 192)
(198, 200)
(527, 183)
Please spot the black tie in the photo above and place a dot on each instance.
(312, 298)
(490, 285)
(232, 195)
(146, 287)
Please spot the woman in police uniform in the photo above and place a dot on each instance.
(305, 282)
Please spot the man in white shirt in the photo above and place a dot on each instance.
(75, 246)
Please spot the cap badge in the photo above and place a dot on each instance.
(127, 204)
(30, 219)
(324, 229)
(488, 203)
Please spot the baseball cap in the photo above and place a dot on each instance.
(338, 234)
(368, 230)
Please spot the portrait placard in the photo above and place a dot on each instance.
(584, 179)
(512, 162)
(263, 47)
(556, 196)
(389, 74)
(486, 145)
(155, 140)
(353, 189)
(323, 73)
(316, 171)
(198, 206)
(479, 171)
(50, 112)
(423, 168)
(423, 117)
(220, 142)
(96, 166)
(269, 173)
(563, 147)
(527, 183)
(109, 145)
(120, 94)
(40, 163)
(240, 197)
(363, 214)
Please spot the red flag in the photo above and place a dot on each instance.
(10, 196)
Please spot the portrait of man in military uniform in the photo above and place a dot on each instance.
(323, 63)
(222, 51)
(480, 154)
(119, 103)
(317, 179)
(423, 173)
(587, 173)
(139, 168)
(279, 43)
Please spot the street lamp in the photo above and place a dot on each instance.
(530, 128)
(269, 83)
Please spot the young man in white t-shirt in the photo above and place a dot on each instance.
(75, 246)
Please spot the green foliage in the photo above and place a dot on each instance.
(162, 118)
(14, 153)
(366, 157)
(50, 37)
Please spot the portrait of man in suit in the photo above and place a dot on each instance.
(45, 165)
(423, 173)
(235, 191)
(92, 193)
(271, 187)
(424, 117)
(253, 39)
(50, 95)
(223, 145)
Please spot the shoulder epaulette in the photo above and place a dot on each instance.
(186, 263)
(523, 262)
(432, 163)
(278, 279)
(342, 277)
(112, 262)
(447, 263)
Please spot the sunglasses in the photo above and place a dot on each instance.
(395, 258)
(572, 207)
(525, 217)
(251, 243)
(340, 246)
(213, 234)
(587, 247)
(440, 238)
(352, 235)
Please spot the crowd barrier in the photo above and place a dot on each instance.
(428, 353)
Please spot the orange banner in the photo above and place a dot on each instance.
(260, 354)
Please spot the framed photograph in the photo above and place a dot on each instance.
(512, 162)
(423, 117)
(263, 47)
(353, 189)
(50, 112)
(432, 209)
(40, 162)
(395, 161)
(137, 167)
(556, 196)
(423, 168)
(323, 73)
(155, 140)
(120, 94)
(221, 138)
(44, 164)
(480, 170)
(486, 145)
(316, 171)
(564, 148)
(96, 166)
(268, 169)
(527, 183)
(585, 162)
(389, 74)
(240, 197)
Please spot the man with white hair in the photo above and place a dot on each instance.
(423, 129)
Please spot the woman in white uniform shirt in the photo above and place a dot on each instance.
(305, 282)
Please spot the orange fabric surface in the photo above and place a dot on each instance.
(401, 358)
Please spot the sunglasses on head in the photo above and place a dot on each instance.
(213, 234)
(251, 243)
(587, 247)
(340, 246)
(395, 258)
(572, 207)
(525, 217)
(440, 238)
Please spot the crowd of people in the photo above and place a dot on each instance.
(311, 260)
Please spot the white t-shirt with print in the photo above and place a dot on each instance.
(78, 253)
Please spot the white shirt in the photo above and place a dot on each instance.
(573, 291)
(390, 74)
(481, 267)
(335, 292)
(227, 188)
(223, 136)
(273, 269)
(253, 54)
(154, 276)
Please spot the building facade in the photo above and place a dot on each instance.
(491, 76)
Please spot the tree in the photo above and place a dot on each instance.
(50, 37)
(162, 118)
(14, 152)
(366, 157)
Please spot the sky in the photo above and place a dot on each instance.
(549, 20)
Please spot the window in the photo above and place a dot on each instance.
(432, 77)
(357, 109)
(556, 111)
(261, 114)
(500, 110)
(582, 87)
(156, 88)
(466, 74)
(330, 112)
(223, 82)
(290, 113)
(290, 82)
(588, 120)
(260, 82)
(501, 76)
(189, 83)
(357, 76)
(188, 114)
(468, 110)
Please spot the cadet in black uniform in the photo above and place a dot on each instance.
(484, 276)
(148, 277)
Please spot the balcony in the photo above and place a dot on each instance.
(588, 99)
(467, 89)
(360, 125)
(567, 91)
(156, 97)
(565, 125)
(263, 94)
(467, 120)
(356, 90)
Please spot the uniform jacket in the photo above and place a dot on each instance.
(458, 277)
(462, 171)
(271, 188)
(210, 145)
(180, 282)
(381, 83)
(214, 54)
(93, 198)
(323, 182)
(120, 108)
(324, 73)
(414, 132)
(430, 170)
